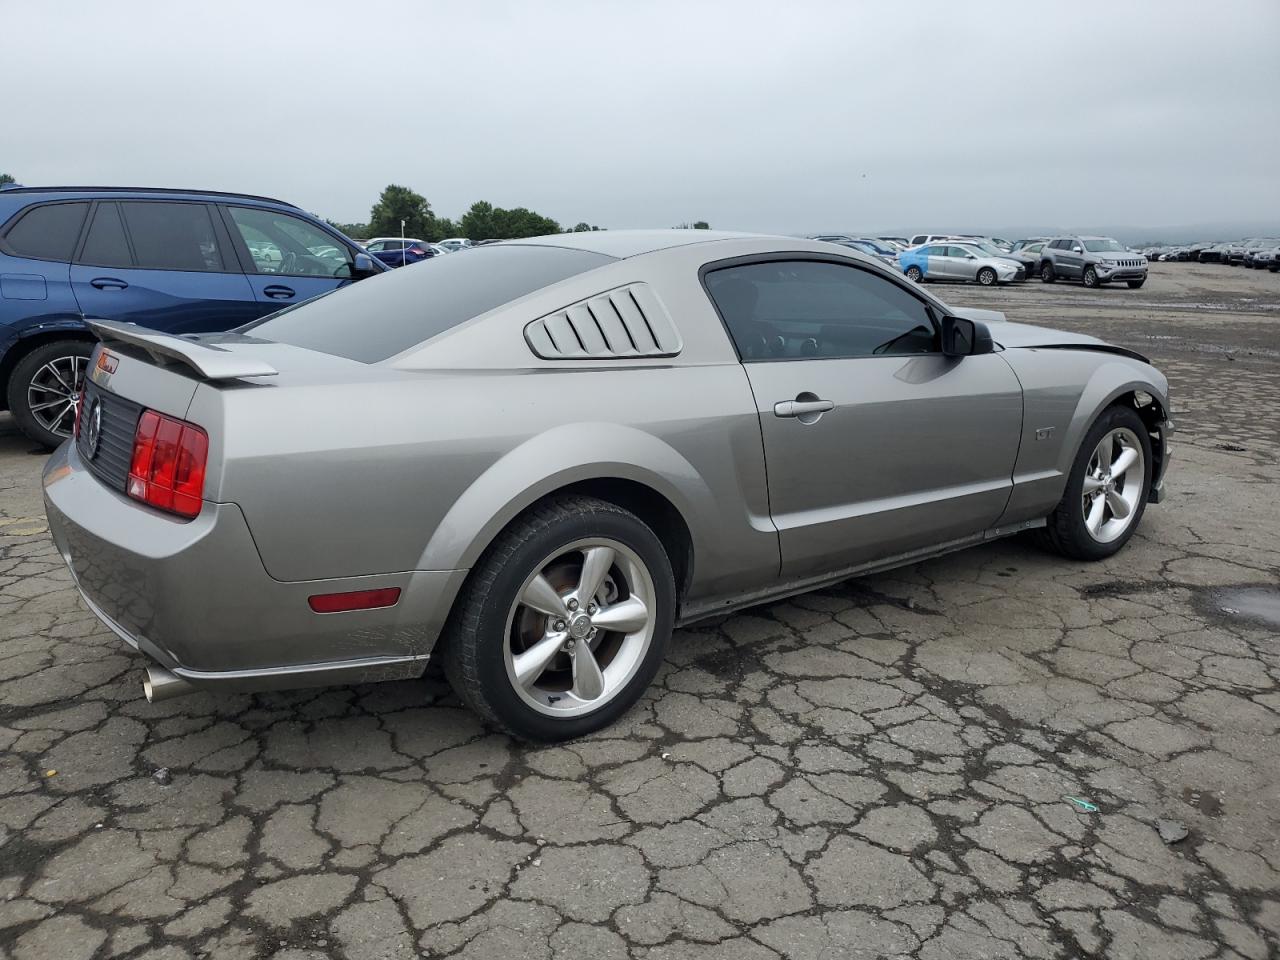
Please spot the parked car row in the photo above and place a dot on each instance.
(401, 251)
(1093, 261)
(1256, 253)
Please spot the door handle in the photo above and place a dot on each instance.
(801, 408)
(107, 283)
(278, 291)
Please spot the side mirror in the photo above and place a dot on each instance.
(965, 338)
(362, 265)
(1077, 250)
(970, 256)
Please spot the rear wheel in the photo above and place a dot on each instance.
(986, 276)
(44, 389)
(1090, 277)
(563, 622)
(1106, 490)
(915, 274)
(1046, 272)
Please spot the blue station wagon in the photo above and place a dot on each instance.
(180, 261)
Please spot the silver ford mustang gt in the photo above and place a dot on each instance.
(535, 460)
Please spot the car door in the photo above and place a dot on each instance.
(934, 262)
(1071, 258)
(876, 444)
(313, 261)
(164, 264)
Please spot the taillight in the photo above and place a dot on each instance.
(167, 469)
(417, 252)
(75, 428)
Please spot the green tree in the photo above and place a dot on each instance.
(399, 203)
(478, 222)
(356, 231)
(584, 227)
(696, 225)
(484, 221)
(6, 178)
(445, 228)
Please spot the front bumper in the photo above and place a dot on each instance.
(195, 597)
(1121, 273)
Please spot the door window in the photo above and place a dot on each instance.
(173, 236)
(808, 309)
(289, 246)
(106, 244)
(47, 232)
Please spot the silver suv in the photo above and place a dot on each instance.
(1093, 261)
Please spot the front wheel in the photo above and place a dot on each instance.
(563, 622)
(1046, 273)
(44, 389)
(1090, 277)
(915, 274)
(1137, 284)
(1106, 490)
(986, 276)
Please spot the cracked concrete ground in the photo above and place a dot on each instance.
(880, 769)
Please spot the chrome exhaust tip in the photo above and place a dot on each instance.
(159, 684)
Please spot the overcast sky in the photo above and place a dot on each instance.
(783, 117)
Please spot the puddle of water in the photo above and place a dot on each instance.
(1251, 603)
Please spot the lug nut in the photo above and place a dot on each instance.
(592, 608)
(573, 604)
(569, 645)
(558, 625)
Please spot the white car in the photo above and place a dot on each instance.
(455, 244)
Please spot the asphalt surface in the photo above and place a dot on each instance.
(970, 757)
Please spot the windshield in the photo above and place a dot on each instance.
(1105, 245)
(385, 315)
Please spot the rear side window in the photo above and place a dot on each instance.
(385, 315)
(173, 236)
(106, 245)
(48, 232)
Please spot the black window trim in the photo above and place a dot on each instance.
(14, 220)
(247, 265)
(933, 310)
(77, 255)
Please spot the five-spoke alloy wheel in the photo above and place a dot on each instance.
(1107, 488)
(563, 621)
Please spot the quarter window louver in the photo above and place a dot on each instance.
(627, 322)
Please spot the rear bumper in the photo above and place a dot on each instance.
(195, 597)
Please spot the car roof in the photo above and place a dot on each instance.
(88, 192)
(632, 243)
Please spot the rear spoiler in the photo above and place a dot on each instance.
(212, 363)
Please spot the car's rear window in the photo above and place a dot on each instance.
(377, 318)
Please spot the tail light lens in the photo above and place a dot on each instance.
(167, 469)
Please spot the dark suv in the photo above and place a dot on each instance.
(182, 261)
(1091, 260)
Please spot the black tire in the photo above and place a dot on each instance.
(475, 638)
(987, 277)
(1065, 532)
(915, 274)
(20, 382)
(1089, 278)
(1046, 272)
(1137, 284)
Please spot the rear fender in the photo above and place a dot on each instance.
(551, 461)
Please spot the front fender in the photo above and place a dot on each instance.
(1110, 381)
(555, 459)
